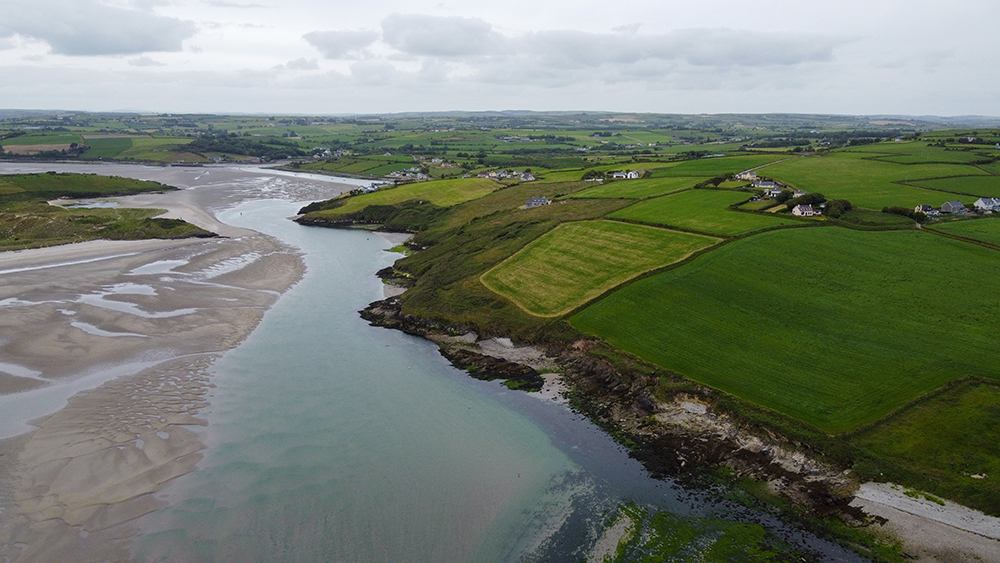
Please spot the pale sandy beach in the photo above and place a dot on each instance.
(105, 362)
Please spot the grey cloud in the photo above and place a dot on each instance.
(300, 63)
(223, 4)
(698, 47)
(438, 36)
(86, 27)
(145, 61)
(338, 44)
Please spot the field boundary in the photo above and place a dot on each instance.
(970, 240)
(954, 384)
(567, 312)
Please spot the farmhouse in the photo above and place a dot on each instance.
(537, 202)
(803, 210)
(765, 184)
(799, 193)
(527, 177)
(772, 192)
(987, 204)
(952, 207)
(747, 176)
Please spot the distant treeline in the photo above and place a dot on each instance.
(273, 149)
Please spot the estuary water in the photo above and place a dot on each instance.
(331, 440)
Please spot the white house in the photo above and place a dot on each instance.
(799, 193)
(803, 210)
(747, 176)
(537, 202)
(632, 175)
(987, 204)
(527, 177)
(618, 176)
(773, 192)
(765, 184)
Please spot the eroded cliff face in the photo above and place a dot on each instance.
(683, 436)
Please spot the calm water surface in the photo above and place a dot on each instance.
(330, 440)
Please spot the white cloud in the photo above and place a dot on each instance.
(339, 44)
(145, 61)
(86, 27)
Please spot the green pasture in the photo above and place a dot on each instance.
(162, 149)
(866, 183)
(992, 168)
(106, 148)
(711, 167)
(702, 211)
(985, 229)
(443, 193)
(576, 262)
(640, 188)
(553, 176)
(978, 186)
(915, 152)
(44, 139)
(947, 445)
(834, 327)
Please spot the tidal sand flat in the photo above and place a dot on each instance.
(106, 350)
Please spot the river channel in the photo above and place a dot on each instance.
(331, 440)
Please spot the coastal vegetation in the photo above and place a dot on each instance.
(826, 330)
(27, 220)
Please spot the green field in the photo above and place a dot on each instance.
(161, 149)
(833, 327)
(979, 186)
(577, 262)
(44, 139)
(106, 148)
(443, 193)
(866, 183)
(939, 444)
(710, 167)
(702, 211)
(640, 188)
(986, 229)
(916, 152)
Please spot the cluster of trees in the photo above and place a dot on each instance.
(918, 216)
(231, 143)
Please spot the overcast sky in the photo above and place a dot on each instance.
(912, 57)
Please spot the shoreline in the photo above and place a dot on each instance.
(688, 440)
(106, 366)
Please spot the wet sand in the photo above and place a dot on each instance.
(106, 350)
